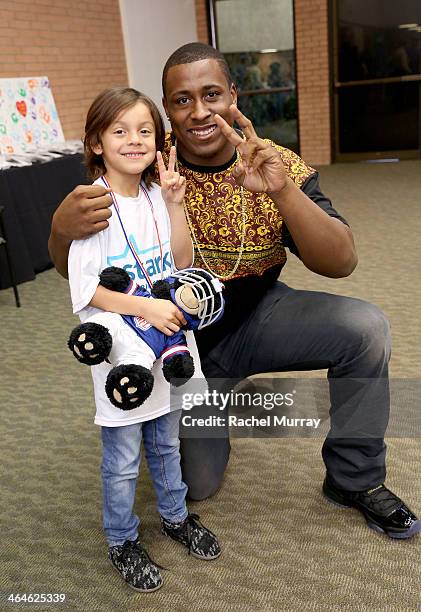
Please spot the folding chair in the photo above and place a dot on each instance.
(3, 243)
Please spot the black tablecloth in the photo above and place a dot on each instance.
(30, 196)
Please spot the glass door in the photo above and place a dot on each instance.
(377, 78)
(257, 40)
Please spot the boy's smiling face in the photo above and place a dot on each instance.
(128, 144)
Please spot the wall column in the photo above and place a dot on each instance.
(312, 51)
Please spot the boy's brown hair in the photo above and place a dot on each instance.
(103, 111)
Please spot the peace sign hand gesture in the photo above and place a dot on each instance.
(173, 185)
(260, 168)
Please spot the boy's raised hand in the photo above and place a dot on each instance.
(173, 185)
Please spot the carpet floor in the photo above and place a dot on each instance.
(284, 546)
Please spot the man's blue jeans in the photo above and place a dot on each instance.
(120, 470)
(292, 330)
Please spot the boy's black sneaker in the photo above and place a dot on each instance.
(199, 540)
(382, 509)
(135, 566)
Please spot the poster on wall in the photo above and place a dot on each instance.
(28, 115)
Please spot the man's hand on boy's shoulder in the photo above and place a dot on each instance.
(85, 211)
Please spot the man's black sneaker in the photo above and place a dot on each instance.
(135, 566)
(201, 542)
(382, 509)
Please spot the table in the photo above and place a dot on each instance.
(30, 196)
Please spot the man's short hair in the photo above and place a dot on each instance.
(194, 52)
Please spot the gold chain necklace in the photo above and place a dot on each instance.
(243, 235)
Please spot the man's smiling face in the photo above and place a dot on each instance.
(194, 93)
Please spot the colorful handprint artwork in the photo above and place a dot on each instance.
(28, 115)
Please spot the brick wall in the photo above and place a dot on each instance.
(202, 21)
(77, 44)
(312, 51)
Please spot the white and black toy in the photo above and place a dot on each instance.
(131, 345)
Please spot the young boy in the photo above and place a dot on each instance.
(147, 236)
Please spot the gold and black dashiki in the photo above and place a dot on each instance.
(214, 205)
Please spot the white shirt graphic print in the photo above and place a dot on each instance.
(87, 258)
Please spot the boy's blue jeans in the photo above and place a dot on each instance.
(120, 469)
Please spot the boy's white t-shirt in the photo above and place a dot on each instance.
(87, 258)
